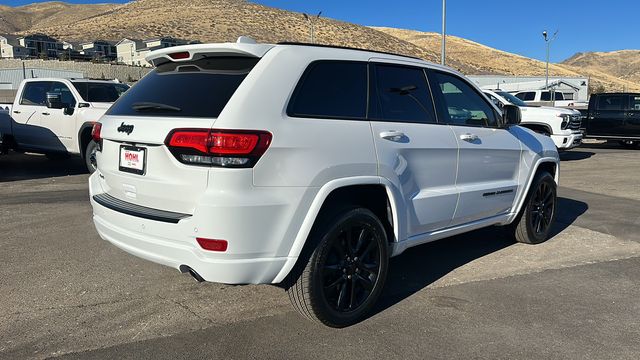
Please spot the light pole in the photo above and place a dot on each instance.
(548, 41)
(311, 21)
(443, 49)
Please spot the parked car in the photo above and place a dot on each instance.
(549, 98)
(55, 116)
(309, 166)
(615, 117)
(562, 125)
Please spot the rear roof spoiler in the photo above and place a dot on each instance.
(243, 47)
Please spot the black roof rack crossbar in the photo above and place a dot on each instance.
(346, 48)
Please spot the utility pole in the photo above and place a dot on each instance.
(312, 20)
(548, 41)
(443, 50)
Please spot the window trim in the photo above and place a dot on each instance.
(289, 108)
(440, 99)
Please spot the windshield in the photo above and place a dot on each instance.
(100, 91)
(510, 98)
(199, 88)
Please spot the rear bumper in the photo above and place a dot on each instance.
(568, 141)
(258, 249)
(169, 253)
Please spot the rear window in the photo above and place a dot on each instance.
(199, 88)
(331, 89)
(100, 92)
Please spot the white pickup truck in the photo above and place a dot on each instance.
(54, 116)
(562, 125)
(550, 98)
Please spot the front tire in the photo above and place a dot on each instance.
(90, 156)
(345, 274)
(533, 225)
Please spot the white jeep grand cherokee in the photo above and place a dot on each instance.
(309, 166)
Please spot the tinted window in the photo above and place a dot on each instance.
(100, 92)
(401, 94)
(35, 93)
(611, 102)
(526, 96)
(461, 103)
(558, 96)
(331, 89)
(545, 96)
(63, 90)
(199, 88)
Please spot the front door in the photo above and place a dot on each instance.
(415, 153)
(489, 155)
(59, 122)
(609, 117)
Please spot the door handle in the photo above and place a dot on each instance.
(16, 112)
(45, 113)
(469, 137)
(392, 135)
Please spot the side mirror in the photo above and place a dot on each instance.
(511, 115)
(54, 101)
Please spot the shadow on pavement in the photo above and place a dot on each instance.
(422, 265)
(16, 166)
(607, 145)
(575, 155)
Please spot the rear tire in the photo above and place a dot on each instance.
(344, 277)
(538, 213)
(90, 156)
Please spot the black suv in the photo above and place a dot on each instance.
(614, 116)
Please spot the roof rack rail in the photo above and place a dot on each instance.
(346, 48)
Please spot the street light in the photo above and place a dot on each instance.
(443, 49)
(548, 41)
(311, 20)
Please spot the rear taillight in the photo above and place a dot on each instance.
(224, 148)
(95, 132)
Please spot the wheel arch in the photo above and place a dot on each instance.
(348, 191)
(549, 164)
(84, 136)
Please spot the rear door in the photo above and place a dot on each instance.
(414, 152)
(489, 156)
(136, 165)
(609, 116)
(26, 114)
(632, 123)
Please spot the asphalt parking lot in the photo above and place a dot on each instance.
(66, 293)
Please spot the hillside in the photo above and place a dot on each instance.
(624, 64)
(222, 20)
(225, 20)
(487, 60)
(34, 16)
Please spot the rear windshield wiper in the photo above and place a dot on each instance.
(151, 106)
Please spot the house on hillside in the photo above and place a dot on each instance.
(10, 48)
(98, 49)
(133, 51)
(41, 45)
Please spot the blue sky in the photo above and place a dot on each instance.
(510, 25)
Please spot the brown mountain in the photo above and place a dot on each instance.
(28, 17)
(624, 64)
(487, 60)
(225, 20)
